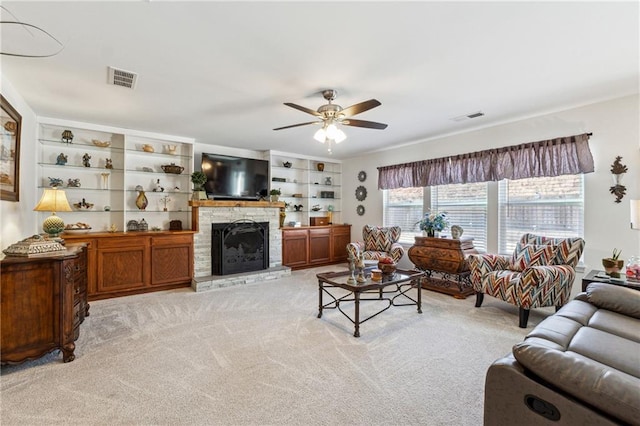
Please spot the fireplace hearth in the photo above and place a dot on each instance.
(240, 246)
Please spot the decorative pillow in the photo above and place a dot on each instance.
(527, 255)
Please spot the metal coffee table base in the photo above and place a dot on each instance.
(402, 281)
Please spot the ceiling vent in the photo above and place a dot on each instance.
(122, 78)
(468, 116)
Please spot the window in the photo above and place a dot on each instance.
(466, 206)
(549, 206)
(404, 207)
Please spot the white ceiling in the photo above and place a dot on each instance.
(220, 71)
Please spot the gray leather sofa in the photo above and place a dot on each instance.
(580, 366)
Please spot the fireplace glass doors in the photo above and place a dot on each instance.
(240, 246)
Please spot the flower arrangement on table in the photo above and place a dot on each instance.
(432, 222)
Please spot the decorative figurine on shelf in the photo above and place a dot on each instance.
(105, 180)
(158, 188)
(327, 180)
(85, 160)
(360, 266)
(67, 136)
(109, 164)
(113, 228)
(73, 183)
(61, 160)
(141, 200)
(164, 200)
(55, 182)
(142, 225)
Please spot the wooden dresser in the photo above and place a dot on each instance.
(44, 301)
(125, 263)
(309, 246)
(445, 263)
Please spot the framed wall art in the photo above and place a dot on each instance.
(11, 126)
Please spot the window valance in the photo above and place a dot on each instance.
(553, 157)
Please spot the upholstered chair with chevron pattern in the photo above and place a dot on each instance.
(540, 273)
(378, 242)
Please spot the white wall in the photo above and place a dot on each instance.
(615, 125)
(18, 218)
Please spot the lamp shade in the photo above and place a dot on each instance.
(635, 214)
(53, 200)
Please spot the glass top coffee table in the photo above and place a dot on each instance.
(393, 288)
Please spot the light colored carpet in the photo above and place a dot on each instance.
(257, 354)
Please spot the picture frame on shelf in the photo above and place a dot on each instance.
(10, 152)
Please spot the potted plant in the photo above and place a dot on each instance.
(433, 222)
(275, 194)
(613, 265)
(199, 179)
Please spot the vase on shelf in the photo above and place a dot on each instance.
(141, 200)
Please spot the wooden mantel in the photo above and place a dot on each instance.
(196, 204)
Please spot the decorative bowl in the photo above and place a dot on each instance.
(101, 144)
(77, 231)
(148, 148)
(387, 268)
(172, 168)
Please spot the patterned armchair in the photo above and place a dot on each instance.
(378, 242)
(540, 273)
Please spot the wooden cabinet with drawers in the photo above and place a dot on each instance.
(445, 264)
(128, 263)
(44, 301)
(309, 246)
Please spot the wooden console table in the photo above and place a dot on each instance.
(445, 264)
(43, 301)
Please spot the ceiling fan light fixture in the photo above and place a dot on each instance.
(339, 136)
(320, 135)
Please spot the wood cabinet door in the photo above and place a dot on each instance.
(341, 236)
(294, 247)
(30, 312)
(171, 259)
(319, 245)
(121, 269)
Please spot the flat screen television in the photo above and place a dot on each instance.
(235, 178)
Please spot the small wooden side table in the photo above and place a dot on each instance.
(445, 264)
(594, 277)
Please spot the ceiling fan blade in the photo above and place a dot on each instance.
(298, 125)
(361, 107)
(303, 109)
(364, 123)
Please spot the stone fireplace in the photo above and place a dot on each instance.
(204, 214)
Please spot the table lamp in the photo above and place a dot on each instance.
(53, 200)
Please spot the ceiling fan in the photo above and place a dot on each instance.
(331, 114)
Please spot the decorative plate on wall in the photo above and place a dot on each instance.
(362, 176)
(360, 210)
(361, 193)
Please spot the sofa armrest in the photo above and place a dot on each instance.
(597, 384)
(481, 264)
(622, 300)
(512, 396)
